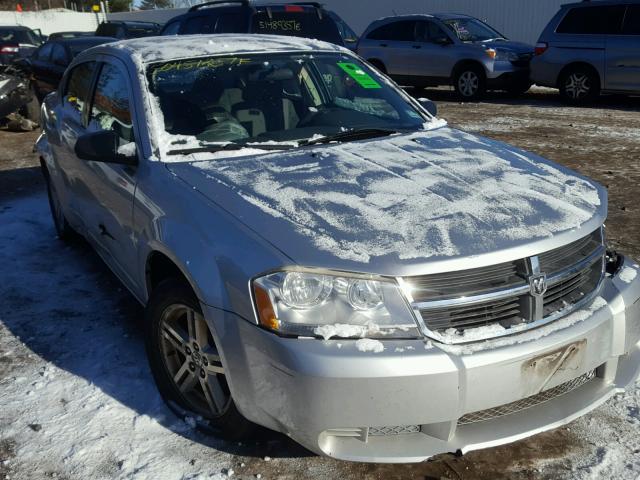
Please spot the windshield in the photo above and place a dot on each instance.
(296, 21)
(472, 30)
(275, 98)
(18, 36)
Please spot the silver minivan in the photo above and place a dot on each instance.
(447, 49)
(588, 48)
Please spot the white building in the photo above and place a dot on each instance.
(517, 19)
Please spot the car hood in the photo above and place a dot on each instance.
(407, 204)
(509, 45)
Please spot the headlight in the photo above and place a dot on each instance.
(501, 55)
(302, 303)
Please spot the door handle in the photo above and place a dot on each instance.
(416, 46)
(383, 44)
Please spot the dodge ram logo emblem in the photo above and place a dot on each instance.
(538, 284)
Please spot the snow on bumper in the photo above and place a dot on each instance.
(404, 404)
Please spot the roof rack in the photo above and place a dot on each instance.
(244, 3)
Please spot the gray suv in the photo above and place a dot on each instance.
(589, 48)
(447, 49)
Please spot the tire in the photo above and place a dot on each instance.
(579, 85)
(470, 83)
(186, 364)
(64, 231)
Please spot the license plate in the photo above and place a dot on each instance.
(555, 367)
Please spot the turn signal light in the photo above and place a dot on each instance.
(491, 53)
(266, 314)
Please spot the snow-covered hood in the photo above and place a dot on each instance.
(417, 203)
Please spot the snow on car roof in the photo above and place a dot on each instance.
(167, 48)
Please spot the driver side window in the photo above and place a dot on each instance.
(110, 109)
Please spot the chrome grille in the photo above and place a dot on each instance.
(501, 294)
(528, 402)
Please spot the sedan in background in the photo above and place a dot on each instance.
(48, 63)
(17, 42)
(447, 49)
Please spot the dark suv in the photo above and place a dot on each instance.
(303, 19)
(124, 29)
(590, 47)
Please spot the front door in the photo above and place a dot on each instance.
(431, 52)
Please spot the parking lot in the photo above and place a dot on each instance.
(77, 399)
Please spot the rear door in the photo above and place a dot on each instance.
(110, 188)
(71, 114)
(623, 54)
(393, 43)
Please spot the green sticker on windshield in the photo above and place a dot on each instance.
(359, 75)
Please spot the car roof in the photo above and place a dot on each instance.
(134, 23)
(175, 47)
(598, 3)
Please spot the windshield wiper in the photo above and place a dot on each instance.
(350, 136)
(231, 146)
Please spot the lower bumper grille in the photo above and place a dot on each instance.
(528, 402)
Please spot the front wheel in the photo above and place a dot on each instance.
(185, 360)
(470, 83)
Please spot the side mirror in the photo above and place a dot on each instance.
(429, 106)
(102, 146)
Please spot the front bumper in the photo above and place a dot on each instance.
(404, 404)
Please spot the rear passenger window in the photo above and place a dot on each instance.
(79, 85)
(110, 107)
(632, 20)
(402, 31)
(232, 23)
(593, 20)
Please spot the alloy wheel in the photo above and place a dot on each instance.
(468, 83)
(193, 361)
(577, 86)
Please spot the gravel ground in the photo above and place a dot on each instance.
(76, 396)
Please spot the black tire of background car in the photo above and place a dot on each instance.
(231, 424)
(65, 232)
(481, 89)
(592, 82)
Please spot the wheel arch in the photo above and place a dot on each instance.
(466, 63)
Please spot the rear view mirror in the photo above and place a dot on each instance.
(429, 106)
(102, 146)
